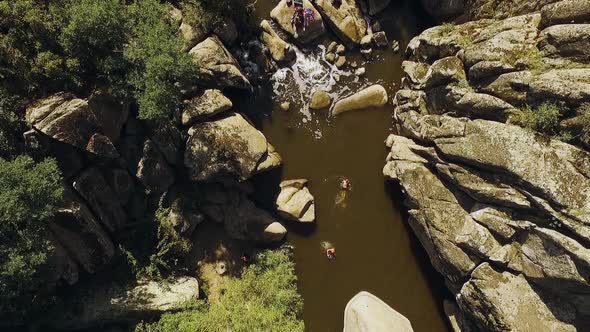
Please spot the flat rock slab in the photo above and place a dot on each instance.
(295, 202)
(367, 313)
(347, 20)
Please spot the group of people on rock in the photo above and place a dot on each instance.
(302, 17)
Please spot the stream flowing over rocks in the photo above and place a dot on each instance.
(503, 212)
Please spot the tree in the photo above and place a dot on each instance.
(30, 193)
(160, 66)
(265, 298)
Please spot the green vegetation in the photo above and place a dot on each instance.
(265, 298)
(158, 255)
(206, 15)
(447, 28)
(544, 119)
(29, 195)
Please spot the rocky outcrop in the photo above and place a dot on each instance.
(216, 66)
(92, 124)
(373, 96)
(280, 51)
(82, 236)
(295, 202)
(282, 14)
(230, 146)
(113, 303)
(205, 105)
(231, 207)
(346, 20)
(152, 170)
(503, 212)
(366, 312)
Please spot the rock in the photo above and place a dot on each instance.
(570, 41)
(367, 53)
(377, 6)
(295, 202)
(207, 104)
(76, 229)
(192, 35)
(113, 303)
(331, 57)
(380, 39)
(241, 218)
(360, 71)
(515, 304)
(280, 51)
(93, 124)
(121, 182)
(168, 140)
(395, 46)
(92, 186)
(347, 21)
(183, 218)
(152, 170)
(216, 66)
(270, 161)
(230, 146)
(175, 16)
(332, 47)
(366, 312)
(340, 62)
(565, 12)
(285, 106)
(372, 96)
(282, 15)
(340, 49)
(444, 9)
(319, 100)
(63, 270)
(366, 41)
(227, 31)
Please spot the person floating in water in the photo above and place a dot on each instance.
(331, 253)
(345, 188)
(246, 258)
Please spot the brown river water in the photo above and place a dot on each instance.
(376, 250)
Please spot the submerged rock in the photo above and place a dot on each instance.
(280, 50)
(346, 20)
(295, 202)
(365, 312)
(372, 96)
(216, 65)
(283, 14)
(319, 100)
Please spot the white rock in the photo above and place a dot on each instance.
(372, 96)
(367, 313)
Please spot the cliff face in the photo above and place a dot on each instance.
(502, 211)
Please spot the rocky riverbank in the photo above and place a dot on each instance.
(503, 211)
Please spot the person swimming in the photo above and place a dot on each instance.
(331, 253)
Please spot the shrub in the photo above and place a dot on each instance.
(265, 298)
(29, 195)
(544, 119)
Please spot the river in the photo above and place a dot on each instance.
(376, 250)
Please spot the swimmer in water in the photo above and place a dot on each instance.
(331, 253)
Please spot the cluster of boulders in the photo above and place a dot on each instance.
(503, 212)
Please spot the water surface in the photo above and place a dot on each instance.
(376, 250)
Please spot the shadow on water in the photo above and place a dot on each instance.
(376, 249)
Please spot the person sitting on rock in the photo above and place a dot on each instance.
(331, 253)
(308, 17)
(298, 19)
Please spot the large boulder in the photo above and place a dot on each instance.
(205, 105)
(319, 100)
(295, 202)
(347, 20)
(93, 187)
(241, 218)
(230, 146)
(373, 96)
(152, 169)
(216, 65)
(92, 124)
(113, 303)
(282, 14)
(365, 312)
(75, 228)
(280, 50)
